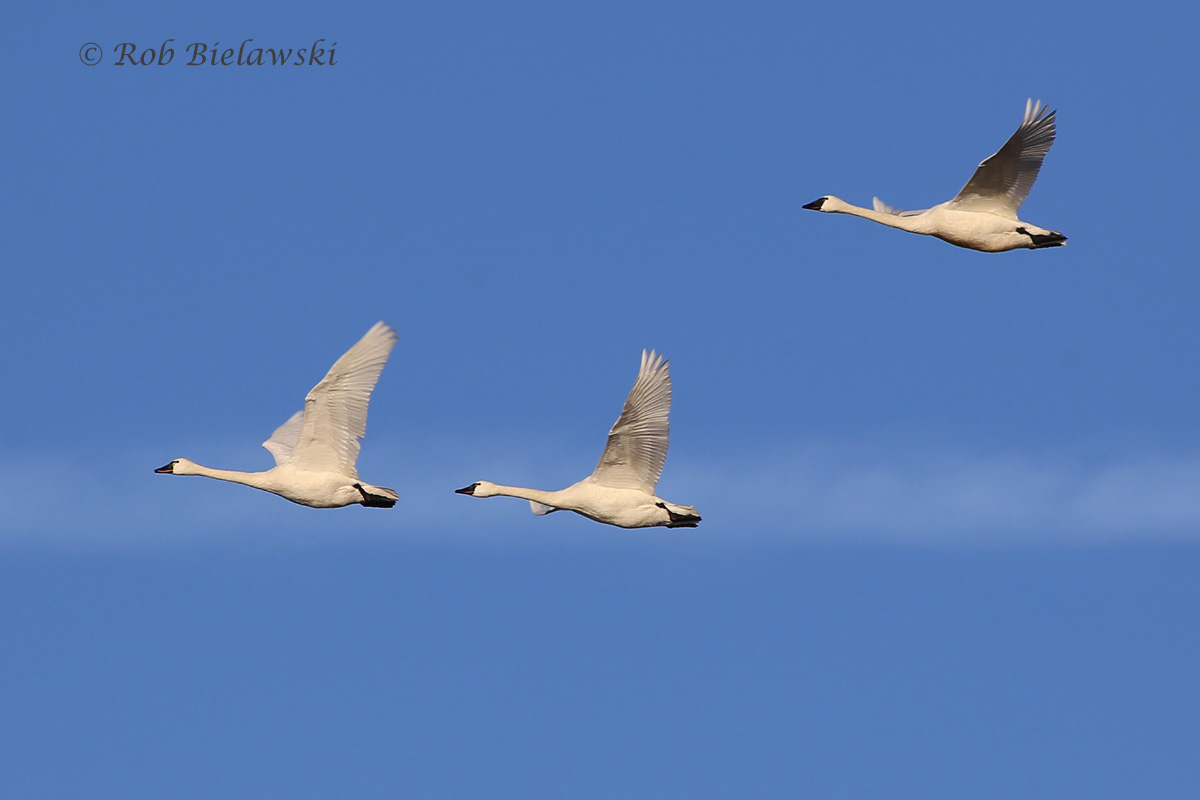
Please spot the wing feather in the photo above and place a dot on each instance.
(637, 443)
(283, 440)
(884, 208)
(335, 411)
(1002, 182)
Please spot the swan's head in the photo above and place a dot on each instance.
(827, 203)
(479, 489)
(180, 466)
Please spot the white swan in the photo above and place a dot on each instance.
(315, 451)
(983, 216)
(621, 490)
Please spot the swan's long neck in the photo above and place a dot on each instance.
(912, 224)
(536, 495)
(257, 480)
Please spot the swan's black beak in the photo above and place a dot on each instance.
(169, 469)
(467, 489)
(815, 205)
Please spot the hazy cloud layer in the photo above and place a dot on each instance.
(808, 493)
(964, 498)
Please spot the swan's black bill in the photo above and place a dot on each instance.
(467, 489)
(815, 205)
(169, 469)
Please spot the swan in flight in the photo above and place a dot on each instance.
(983, 216)
(621, 490)
(315, 451)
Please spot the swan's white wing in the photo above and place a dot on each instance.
(637, 443)
(283, 440)
(884, 208)
(335, 411)
(541, 509)
(1003, 181)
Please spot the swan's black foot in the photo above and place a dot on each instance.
(1052, 239)
(374, 500)
(677, 520)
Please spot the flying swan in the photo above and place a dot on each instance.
(983, 216)
(621, 490)
(315, 451)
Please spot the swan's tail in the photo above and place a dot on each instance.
(1053, 239)
(681, 516)
(377, 496)
(1040, 237)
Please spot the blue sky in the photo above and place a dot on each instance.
(951, 526)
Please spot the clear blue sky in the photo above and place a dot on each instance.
(951, 500)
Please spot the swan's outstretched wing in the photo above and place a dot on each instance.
(637, 443)
(1003, 181)
(335, 411)
(283, 440)
(884, 208)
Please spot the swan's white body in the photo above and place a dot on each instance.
(316, 450)
(621, 490)
(983, 216)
